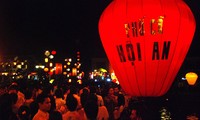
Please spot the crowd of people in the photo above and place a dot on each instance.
(55, 101)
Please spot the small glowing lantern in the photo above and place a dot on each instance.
(46, 69)
(191, 78)
(58, 68)
(53, 52)
(46, 60)
(74, 71)
(47, 53)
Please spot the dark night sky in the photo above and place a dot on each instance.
(32, 26)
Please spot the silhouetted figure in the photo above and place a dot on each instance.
(59, 100)
(55, 115)
(6, 112)
(110, 101)
(72, 104)
(118, 112)
(44, 103)
(91, 107)
(33, 108)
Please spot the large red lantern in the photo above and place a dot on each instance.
(146, 42)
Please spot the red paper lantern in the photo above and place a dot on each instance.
(53, 52)
(146, 42)
(58, 68)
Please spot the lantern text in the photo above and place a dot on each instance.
(137, 28)
(136, 55)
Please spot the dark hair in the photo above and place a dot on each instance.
(41, 97)
(28, 94)
(14, 97)
(14, 87)
(91, 109)
(6, 107)
(73, 89)
(59, 93)
(84, 96)
(93, 97)
(55, 115)
(71, 102)
(33, 108)
(85, 91)
(47, 89)
(53, 103)
(93, 89)
(121, 99)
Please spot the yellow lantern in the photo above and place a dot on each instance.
(191, 78)
(46, 69)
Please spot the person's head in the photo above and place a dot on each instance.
(116, 90)
(44, 102)
(84, 97)
(59, 93)
(110, 91)
(28, 94)
(73, 89)
(91, 109)
(85, 91)
(13, 88)
(71, 102)
(48, 89)
(93, 89)
(121, 99)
